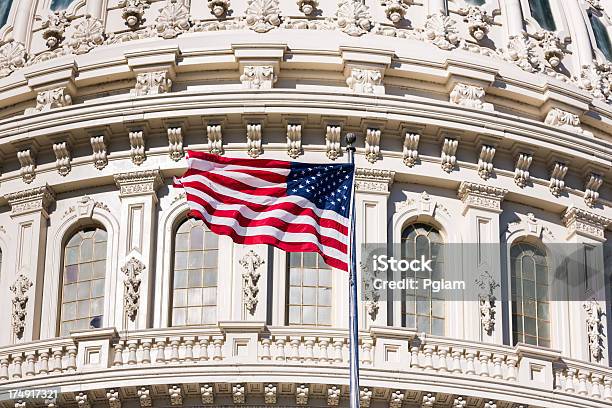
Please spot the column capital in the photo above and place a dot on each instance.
(138, 182)
(31, 200)
(585, 223)
(481, 196)
(373, 180)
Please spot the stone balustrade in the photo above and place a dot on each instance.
(384, 351)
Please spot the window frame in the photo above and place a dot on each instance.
(431, 228)
(543, 250)
(288, 286)
(67, 236)
(170, 306)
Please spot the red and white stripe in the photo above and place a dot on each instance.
(247, 200)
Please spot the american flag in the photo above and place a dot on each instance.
(294, 206)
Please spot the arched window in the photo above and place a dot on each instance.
(422, 308)
(602, 39)
(541, 12)
(530, 303)
(5, 8)
(58, 5)
(309, 290)
(194, 296)
(83, 281)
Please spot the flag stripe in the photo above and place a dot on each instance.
(236, 197)
(285, 222)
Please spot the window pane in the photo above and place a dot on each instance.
(60, 4)
(601, 36)
(541, 12)
(308, 290)
(5, 8)
(194, 275)
(83, 281)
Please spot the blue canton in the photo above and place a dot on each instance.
(328, 186)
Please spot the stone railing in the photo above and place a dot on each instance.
(384, 351)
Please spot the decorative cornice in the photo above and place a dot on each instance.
(138, 182)
(32, 200)
(485, 197)
(585, 223)
(373, 180)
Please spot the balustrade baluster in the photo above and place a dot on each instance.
(338, 343)
(498, 360)
(366, 352)
(484, 358)
(309, 345)
(456, 354)
(470, 355)
(596, 385)
(174, 350)
(43, 362)
(265, 353)
(17, 366)
(607, 389)
(58, 354)
(280, 349)
(414, 356)
(324, 350)
(30, 368)
(582, 383)
(204, 342)
(146, 352)
(512, 363)
(442, 359)
(189, 349)
(295, 349)
(428, 350)
(118, 360)
(72, 353)
(4, 368)
(160, 357)
(218, 343)
(132, 347)
(569, 380)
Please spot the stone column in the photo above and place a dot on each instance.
(580, 34)
(514, 17)
(29, 211)
(138, 193)
(95, 8)
(482, 263)
(587, 283)
(436, 5)
(23, 20)
(371, 201)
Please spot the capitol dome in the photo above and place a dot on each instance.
(481, 123)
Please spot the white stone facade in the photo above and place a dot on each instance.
(472, 119)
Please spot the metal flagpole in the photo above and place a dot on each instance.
(353, 308)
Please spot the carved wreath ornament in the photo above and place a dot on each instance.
(486, 300)
(20, 300)
(251, 262)
(263, 15)
(131, 298)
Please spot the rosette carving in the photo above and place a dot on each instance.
(263, 15)
(353, 17)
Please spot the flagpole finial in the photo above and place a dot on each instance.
(351, 138)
